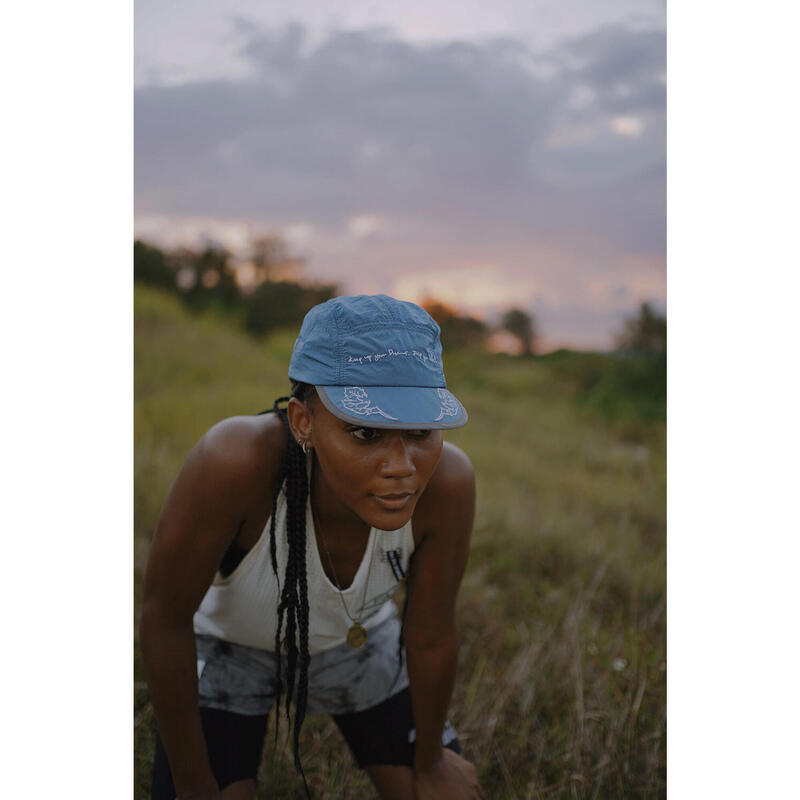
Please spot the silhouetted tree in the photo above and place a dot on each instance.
(266, 254)
(276, 304)
(213, 282)
(206, 280)
(150, 266)
(457, 329)
(645, 333)
(521, 324)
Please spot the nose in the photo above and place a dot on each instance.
(397, 461)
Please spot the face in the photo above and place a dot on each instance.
(376, 474)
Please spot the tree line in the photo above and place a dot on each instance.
(266, 290)
(268, 297)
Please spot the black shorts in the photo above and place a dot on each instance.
(383, 734)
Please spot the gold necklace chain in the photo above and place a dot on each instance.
(357, 633)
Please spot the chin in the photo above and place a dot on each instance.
(389, 519)
(392, 524)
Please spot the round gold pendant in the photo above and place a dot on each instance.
(356, 636)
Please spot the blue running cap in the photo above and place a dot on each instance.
(377, 362)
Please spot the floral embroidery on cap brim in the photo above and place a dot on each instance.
(450, 406)
(356, 400)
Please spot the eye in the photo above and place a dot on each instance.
(364, 434)
(418, 434)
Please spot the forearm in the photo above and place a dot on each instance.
(431, 673)
(170, 660)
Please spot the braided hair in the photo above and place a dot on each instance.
(293, 609)
(293, 603)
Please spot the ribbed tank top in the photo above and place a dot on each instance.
(243, 607)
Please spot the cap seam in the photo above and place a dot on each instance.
(394, 324)
(337, 312)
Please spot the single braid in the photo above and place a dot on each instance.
(293, 609)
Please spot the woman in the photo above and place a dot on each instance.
(277, 552)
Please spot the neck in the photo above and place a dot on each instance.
(336, 519)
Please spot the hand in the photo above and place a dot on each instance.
(450, 778)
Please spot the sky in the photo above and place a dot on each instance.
(511, 154)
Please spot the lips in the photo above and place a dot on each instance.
(394, 502)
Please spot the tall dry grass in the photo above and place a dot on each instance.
(561, 688)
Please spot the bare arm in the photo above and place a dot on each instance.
(430, 631)
(203, 511)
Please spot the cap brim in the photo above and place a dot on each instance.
(404, 407)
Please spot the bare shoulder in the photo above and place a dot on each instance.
(454, 475)
(245, 445)
(449, 495)
(237, 459)
(220, 486)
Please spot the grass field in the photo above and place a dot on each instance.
(561, 687)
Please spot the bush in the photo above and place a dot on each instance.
(149, 266)
(278, 304)
(619, 386)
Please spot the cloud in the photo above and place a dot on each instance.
(621, 65)
(366, 121)
(363, 225)
(397, 157)
(627, 126)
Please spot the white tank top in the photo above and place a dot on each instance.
(242, 607)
